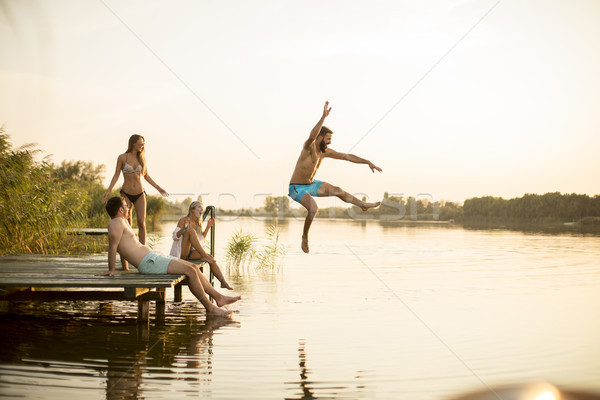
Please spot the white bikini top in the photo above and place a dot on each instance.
(128, 169)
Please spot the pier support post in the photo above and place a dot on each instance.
(143, 311)
(143, 331)
(160, 306)
(177, 293)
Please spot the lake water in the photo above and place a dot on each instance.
(375, 311)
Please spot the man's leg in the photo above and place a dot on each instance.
(191, 238)
(311, 205)
(327, 189)
(199, 286)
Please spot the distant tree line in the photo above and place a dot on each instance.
(392, 208)
(549, 207)
(416, 209)
(530, 208)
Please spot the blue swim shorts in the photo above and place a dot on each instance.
(155, 263)
(297, 191)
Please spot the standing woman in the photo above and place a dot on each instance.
(133, 165)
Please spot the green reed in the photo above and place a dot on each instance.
(242, 251)
(272, 254)
(38, 212)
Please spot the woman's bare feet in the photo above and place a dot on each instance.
(225, 285)
(370, 205)
(224, 300)
(305, 244)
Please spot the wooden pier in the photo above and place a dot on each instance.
(71, 278)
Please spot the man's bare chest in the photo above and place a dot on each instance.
(312, 160)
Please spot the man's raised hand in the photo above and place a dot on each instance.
(326, 110)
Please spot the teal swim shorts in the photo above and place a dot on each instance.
(297, 191)
(155, 263)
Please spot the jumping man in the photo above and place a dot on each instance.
(303, 186)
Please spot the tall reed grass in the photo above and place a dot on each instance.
(272, 254)
(38, 212)
(242, 251)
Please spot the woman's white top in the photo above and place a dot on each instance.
(176, 247)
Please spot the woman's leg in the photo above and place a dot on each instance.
(214, 268)
(140, 213)
(190, 238)
(129, 218)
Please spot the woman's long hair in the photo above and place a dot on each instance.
(193, 205)
(141, 156)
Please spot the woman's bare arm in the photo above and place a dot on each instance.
(115, 178)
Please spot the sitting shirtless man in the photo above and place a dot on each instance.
(121, 239)
(303, 187)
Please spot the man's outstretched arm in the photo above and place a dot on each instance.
(315, 131)
(352, 158)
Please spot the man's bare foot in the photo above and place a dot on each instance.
(225, 285)
(370, 205)
(217, 311)
(304, 244)
(224, 300)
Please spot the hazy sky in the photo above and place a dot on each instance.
(452, 98)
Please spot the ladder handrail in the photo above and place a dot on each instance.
(212, 211)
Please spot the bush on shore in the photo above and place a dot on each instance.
(37, 208)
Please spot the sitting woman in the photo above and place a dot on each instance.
(188, 242)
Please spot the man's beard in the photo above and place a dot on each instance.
(323, 147)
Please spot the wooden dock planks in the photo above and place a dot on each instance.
(22, 277)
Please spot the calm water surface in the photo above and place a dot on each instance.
(375, 311)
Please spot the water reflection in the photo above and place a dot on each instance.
(305, 385)
(550, 229)
(282, 223)
(308, 387)
(39, 352)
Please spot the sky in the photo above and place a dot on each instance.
(453, 99)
